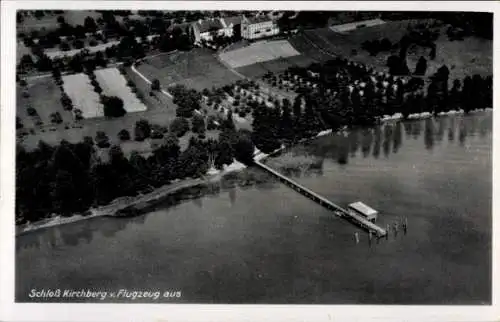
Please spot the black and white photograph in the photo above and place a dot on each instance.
(262, 155)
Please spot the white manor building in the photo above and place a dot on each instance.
(206, 29)
(258, 27)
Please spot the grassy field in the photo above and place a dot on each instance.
(45, 97)
(114, 84)
(468, 57)
(49, 21)
(259, 52)
(275, 66)
(308, 48)
(197, 69)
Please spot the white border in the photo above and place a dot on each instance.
(10, 311)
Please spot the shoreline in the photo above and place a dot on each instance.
(211, 176)
(121, 203)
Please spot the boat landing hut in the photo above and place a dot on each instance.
(364, 210)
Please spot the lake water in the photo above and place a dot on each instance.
(268, 244)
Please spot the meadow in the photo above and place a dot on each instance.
(198, 69)
(259, 52)
(468, 57)
(49, 21)
(45, 96)
(278, 65)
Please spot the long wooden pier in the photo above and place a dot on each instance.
(339, 211)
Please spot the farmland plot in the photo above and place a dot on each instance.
(45, 98)
(275, 66)
(259, 52)
(82, 94)
(468, 57)
(197, 69)
(114, 84)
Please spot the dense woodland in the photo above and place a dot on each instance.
(69, 178)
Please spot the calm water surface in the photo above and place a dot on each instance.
(268, 244)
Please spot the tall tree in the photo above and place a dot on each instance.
(421, 67)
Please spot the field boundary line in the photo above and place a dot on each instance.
(148, 81)
(318, 47)
(229, 67)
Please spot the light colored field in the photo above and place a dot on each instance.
(82, 94)
(114, 84)
(259, 52)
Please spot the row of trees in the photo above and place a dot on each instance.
(70, 178)
(324, 108)
(127, 50)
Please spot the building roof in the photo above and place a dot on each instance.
(234, 20)
(257, 19)
(362, 208)
(209, 24)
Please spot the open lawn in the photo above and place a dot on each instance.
(111, 127)
(467, 57)
(198, 69)
(308, 49)
(81, 92)
(44, 97)
(114, 84)
(259, 52)
(49, 21)
(275, 66)
(21, 50)
(160, 111)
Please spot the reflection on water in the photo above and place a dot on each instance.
(398, 136)
(367, 142)
(376, 147)
(249, 239)
(462, 133)
(429, 134)
(390, 138)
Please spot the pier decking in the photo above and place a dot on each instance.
(339, 211)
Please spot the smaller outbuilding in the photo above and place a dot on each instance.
(361, 209)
